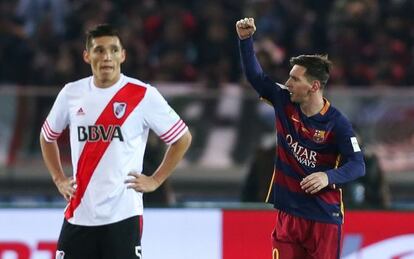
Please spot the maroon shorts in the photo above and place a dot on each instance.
(295, 237)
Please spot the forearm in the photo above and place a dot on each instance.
(263, 85)
(51, 157)
(250, 65)
(349, 171)
(172, 157)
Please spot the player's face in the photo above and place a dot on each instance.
(105, 57)
(298, 85)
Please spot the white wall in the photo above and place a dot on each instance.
(168, 233)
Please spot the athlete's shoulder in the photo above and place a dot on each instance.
(336, 114)
(136, 82)
(75, 86)
(340, 120)
(150, 91)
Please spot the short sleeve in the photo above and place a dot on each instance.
(161, 118)
(58, 118)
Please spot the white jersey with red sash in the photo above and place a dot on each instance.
(108, 132)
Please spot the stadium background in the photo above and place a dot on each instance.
(188, 49)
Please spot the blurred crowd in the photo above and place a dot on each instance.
(370, 41)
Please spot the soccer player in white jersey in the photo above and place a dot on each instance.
(109, 116)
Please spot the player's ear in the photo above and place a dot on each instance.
(86, 56)
(123, 55)
(316, 85)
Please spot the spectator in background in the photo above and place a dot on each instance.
(377, 32)
(36, 12)
(15, 50)
(259, 176)
(173, 54)
(370, 191)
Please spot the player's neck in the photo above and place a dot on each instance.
(105, 83)
(313, 106)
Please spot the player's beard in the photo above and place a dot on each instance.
(109, 77)
(295, 98)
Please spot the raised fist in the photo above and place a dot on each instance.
(245, 28)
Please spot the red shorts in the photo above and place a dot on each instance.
(299, 238)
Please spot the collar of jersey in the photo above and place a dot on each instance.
(110, 88)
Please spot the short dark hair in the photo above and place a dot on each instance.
(100, 30)
(317, 67)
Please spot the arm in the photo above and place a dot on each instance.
(51, 157)
(257, 78)
(352, 168)
(353, 165)
(349, 171)
(173, 155)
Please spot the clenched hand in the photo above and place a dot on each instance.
(245, 28)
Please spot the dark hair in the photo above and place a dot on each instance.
(100, 30)
(317, 67)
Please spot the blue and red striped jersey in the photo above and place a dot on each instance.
(324, 142)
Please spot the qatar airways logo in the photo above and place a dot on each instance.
(95, 133)
(303, 155)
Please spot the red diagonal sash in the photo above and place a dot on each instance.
(92, 152)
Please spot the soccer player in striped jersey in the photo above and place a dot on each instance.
(317, 150)
(109, 116)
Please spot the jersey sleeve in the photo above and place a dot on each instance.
(352, 165)
(264, 86)
(162, 119)
(58, 118)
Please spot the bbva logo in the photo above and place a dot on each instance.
(95, 133)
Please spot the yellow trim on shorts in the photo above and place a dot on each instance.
(271, 185)
(338, 160)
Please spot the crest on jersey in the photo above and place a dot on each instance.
(319, 136)
(119, 109)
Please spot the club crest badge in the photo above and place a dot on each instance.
(119, 109)
(319, 136)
